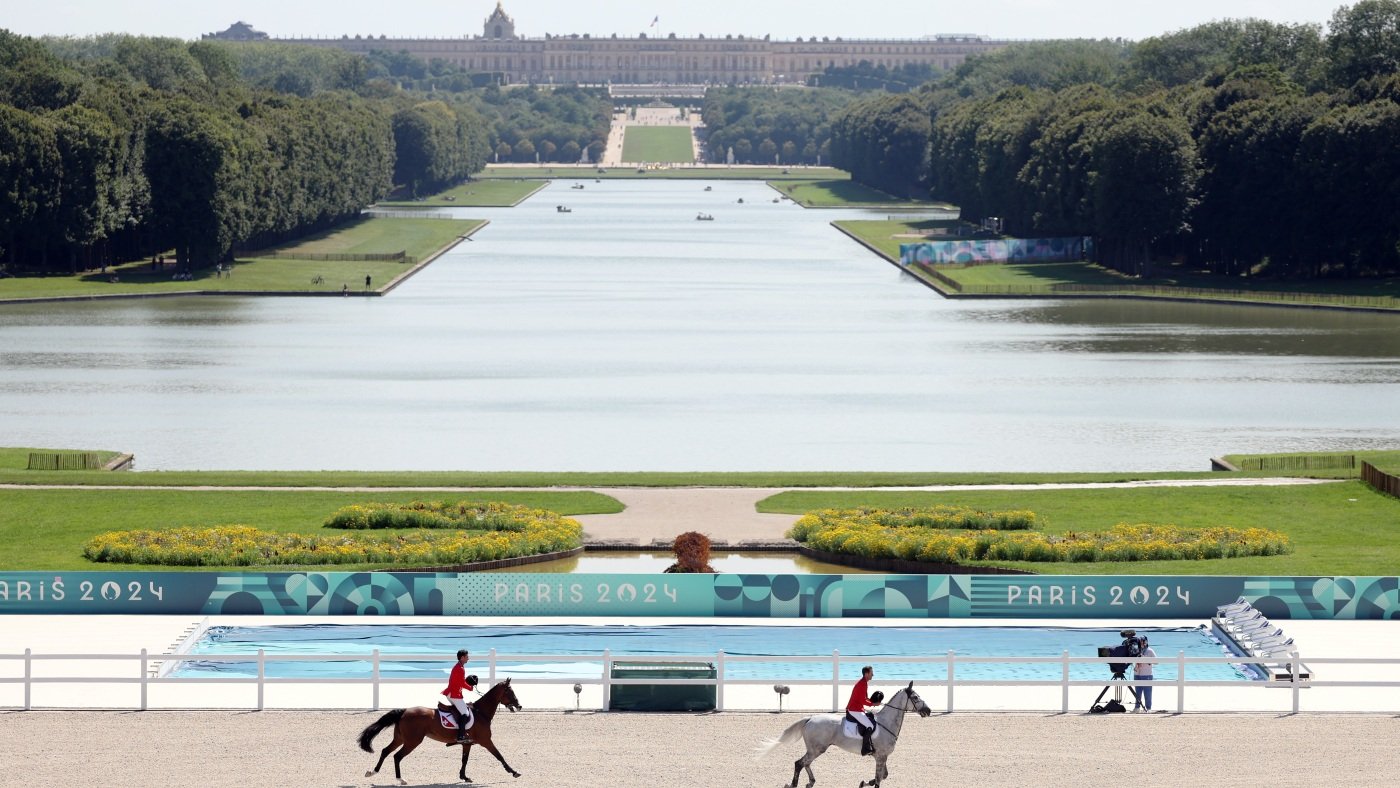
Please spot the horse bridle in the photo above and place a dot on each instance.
(903, 710)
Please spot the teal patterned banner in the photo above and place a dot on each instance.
(752, 596)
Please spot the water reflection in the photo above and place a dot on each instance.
(728, 563)
(627, 336)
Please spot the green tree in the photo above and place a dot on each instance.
(1363, 41)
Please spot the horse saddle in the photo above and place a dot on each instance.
(849, 728)
(447, 716)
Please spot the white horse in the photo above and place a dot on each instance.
(821, 731)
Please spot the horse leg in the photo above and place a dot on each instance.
(491, 748)
(384, 753)
(812, 755)
(408, 747)
(466, 752)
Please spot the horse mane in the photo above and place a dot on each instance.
(489, 701)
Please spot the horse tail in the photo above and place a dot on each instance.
(367, 735)
(791, 734)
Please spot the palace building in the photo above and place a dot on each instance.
(642, 60)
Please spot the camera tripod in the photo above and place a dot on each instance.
(1116, 683)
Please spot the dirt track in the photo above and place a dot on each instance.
(212, 749)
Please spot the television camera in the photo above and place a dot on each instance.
(1131, 647)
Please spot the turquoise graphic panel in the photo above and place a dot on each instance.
(730, 595)
(1012, 250)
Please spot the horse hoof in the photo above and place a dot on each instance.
(515, 774)
(369, 773)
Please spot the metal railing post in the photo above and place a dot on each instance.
(719, 679)
(28, 674)
(952, 662)
(835, 680)
(607, 679)
(1180, 682)
(143, 679)
(1064, 682)
(374, 674)
(491, 668)
(262, 674)
(1293, 668)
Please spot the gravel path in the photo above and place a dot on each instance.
(213, 749)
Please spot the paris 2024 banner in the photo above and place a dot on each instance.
(728, 595)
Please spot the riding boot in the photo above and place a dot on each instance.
(866, 748)
(461, 726)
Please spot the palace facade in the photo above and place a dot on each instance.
(642, 60)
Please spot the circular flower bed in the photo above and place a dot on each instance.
(877, 533)
(480, 532)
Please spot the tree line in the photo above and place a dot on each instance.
(771, 125)
(135, 146)
(1243, 147)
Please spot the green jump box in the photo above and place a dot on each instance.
(662, 697)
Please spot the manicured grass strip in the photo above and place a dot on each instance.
(886, 236)
(847, 193)
(697, 172)
(47, 529)
(17, 459)
(253, 274)
(1336, 529)
(667, 144)
(572, 478)
(477, 194)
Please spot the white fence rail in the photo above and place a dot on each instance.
(1293, 682)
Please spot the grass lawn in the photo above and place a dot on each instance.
(574, 479)
(670, 144)
(477, 194)
(251, 273)
(46, 529)
(1034, 274)
(17, 459)
(1344, 528)
(885, 235)
(710, 172)
(847, 193)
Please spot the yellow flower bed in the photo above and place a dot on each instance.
(885, 534)
(478, 515)
(241, 545)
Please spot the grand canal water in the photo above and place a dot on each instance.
(628, 336)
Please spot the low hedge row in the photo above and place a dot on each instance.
(472, 515)
(941, 517)
(241, 545)
(864, 535)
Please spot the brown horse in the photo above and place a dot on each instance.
(412, 726)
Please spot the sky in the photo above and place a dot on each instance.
(782, 19)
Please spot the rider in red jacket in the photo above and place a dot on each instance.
(856, 708)
(457, 681)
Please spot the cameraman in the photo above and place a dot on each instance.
(1142, 671)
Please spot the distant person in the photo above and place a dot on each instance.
(1142, 671)
(344, 289)
(366, 281)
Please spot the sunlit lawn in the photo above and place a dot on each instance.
(844, 193)
(46, 529)
(657, 144)
(418, 237)
(477, 194)
(1341, 528)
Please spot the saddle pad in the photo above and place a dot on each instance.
(850, 730)
(449, 721)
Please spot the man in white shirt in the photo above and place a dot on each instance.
(1142, 671)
